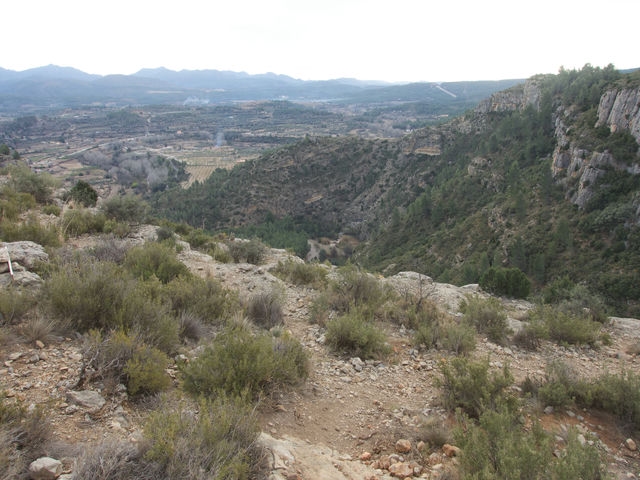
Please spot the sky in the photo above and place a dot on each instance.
(391, 40)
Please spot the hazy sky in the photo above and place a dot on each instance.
(393, 40)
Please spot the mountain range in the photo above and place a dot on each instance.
(60, 87)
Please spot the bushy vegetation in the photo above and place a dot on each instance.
(83, 194)
(265, 309)
(219, 442)
(469, 385)
(499, 446)
(301, 273)
(563, 327)
(127, 208)
(511, 282)
(24, 436)
(155, 259)
(355, 334)
(251, 251)
(238, 362)
(79, 221)
(488, 317)
(31, 230)
(15, 303)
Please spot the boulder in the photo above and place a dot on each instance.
(86, 398)
(45, 468)
(25, 253)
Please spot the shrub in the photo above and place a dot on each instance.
(566, 327)
(252, 251)
(164, 233)
(84, 194)
(14, 304)
(511, 282)
(353, 334)
(128, 209)
(191, 327)
(238, 362)
(52, 209)
(79, 221)
(488, 316)
(265, 309)
(498, 447)
(558, 386)
(459, 338)
(115, 459)
(468, 385)
(300, 273)
(39, 185)
(206, 298)
(13, 203)
(38, 328)
(90, 295)
(530, 336)
(145, 371)
(155, 259)
(217, 443)
(110, 249)
(31, 229)
(23, 437)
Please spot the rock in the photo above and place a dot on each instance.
(451, 450)
(401, 470)
(365, 456)
(39, 344)
(45, 468)
(403, 446)
(548, 410)
(86, 398)
(24, 279)
(630, 444)
(27, 253)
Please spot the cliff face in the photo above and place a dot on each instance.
(620, 110)
(578, 168)
(516, 98)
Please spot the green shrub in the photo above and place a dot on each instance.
(467, 384)
(84, 194)
(14, 304)
(39, 185)
(498, 447)
(459, 338)
(90, 295)
(155, 259)
(531, 334)
(117, 228)
(38, 327)
(511, 282)
(127, 209)
(52, 209)
(618, 395)
(265, 309)
(164, 233)
(566, 327)
(32, 230)
(558, 386)
(238, 362)
(353, 334)
(217, 443)
(206, 298)
(13, 203)
(252, 251)
(145, 371)
(574, 299)
(300, 273)
(79, 221)
(488, 316)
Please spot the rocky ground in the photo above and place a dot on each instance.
(349, 419)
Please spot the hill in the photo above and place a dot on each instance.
(541, 177)
(52, 87)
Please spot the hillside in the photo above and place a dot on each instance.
(541, 177)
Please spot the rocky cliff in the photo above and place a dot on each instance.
(619, 109)
(516, 98)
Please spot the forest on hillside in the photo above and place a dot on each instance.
(489, 198)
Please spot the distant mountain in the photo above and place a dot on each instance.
(56, 87)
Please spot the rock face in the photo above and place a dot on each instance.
(516, 98)
(620, 110)
(23, 256)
